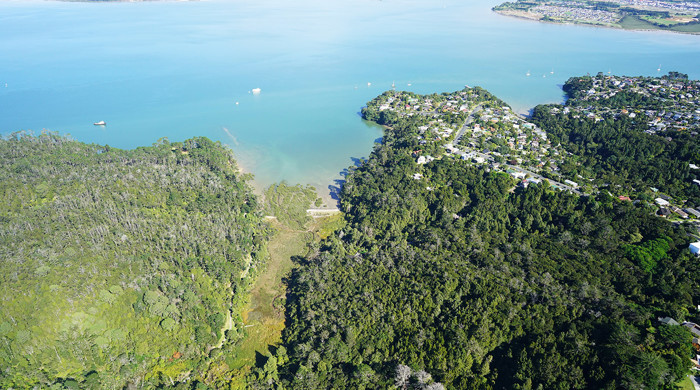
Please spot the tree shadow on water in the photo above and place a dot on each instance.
(337, 186)
(357, 161)
(335, 189)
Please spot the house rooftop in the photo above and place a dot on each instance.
(668, 321)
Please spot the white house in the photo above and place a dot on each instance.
(661, 202)
(695, 247)
(571, 183)
(425, 159)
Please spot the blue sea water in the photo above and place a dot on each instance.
(177, 69)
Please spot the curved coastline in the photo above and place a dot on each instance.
(524, 16)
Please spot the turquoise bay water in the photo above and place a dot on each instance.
(177, 69)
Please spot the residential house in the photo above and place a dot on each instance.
(692, 211)
(663, 212)
(679, 212)
(693, 327)
(694, 247)
(661, 202)
(668, 321)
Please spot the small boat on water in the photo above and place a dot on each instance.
(256, 91)
(100, 123)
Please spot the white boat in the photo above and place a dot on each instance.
(100, 123)
(256, 91)
(527, 74)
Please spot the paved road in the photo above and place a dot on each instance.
(467, 122)
(533, 175)
(321, 211)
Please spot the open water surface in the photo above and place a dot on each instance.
(177, 69)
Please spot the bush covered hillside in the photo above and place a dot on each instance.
(120, 267)
(447, 275)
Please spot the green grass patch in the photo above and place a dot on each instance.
(685, 384)
(662, 21)
(326, 226)
(289, 203)
(634, 23)
(687, 28)
(263, 316)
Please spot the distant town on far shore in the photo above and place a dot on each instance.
(675, 16)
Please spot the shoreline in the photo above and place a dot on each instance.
(259, 188)
(126, 1)
(576, 23)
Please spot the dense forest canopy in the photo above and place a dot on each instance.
(120, 267)
(456, 279)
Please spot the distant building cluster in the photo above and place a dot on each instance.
(574, 13)
(685, 6)
(605, 12)
(677, 102)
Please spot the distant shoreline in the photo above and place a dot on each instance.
(125, 1)
(534, 18)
